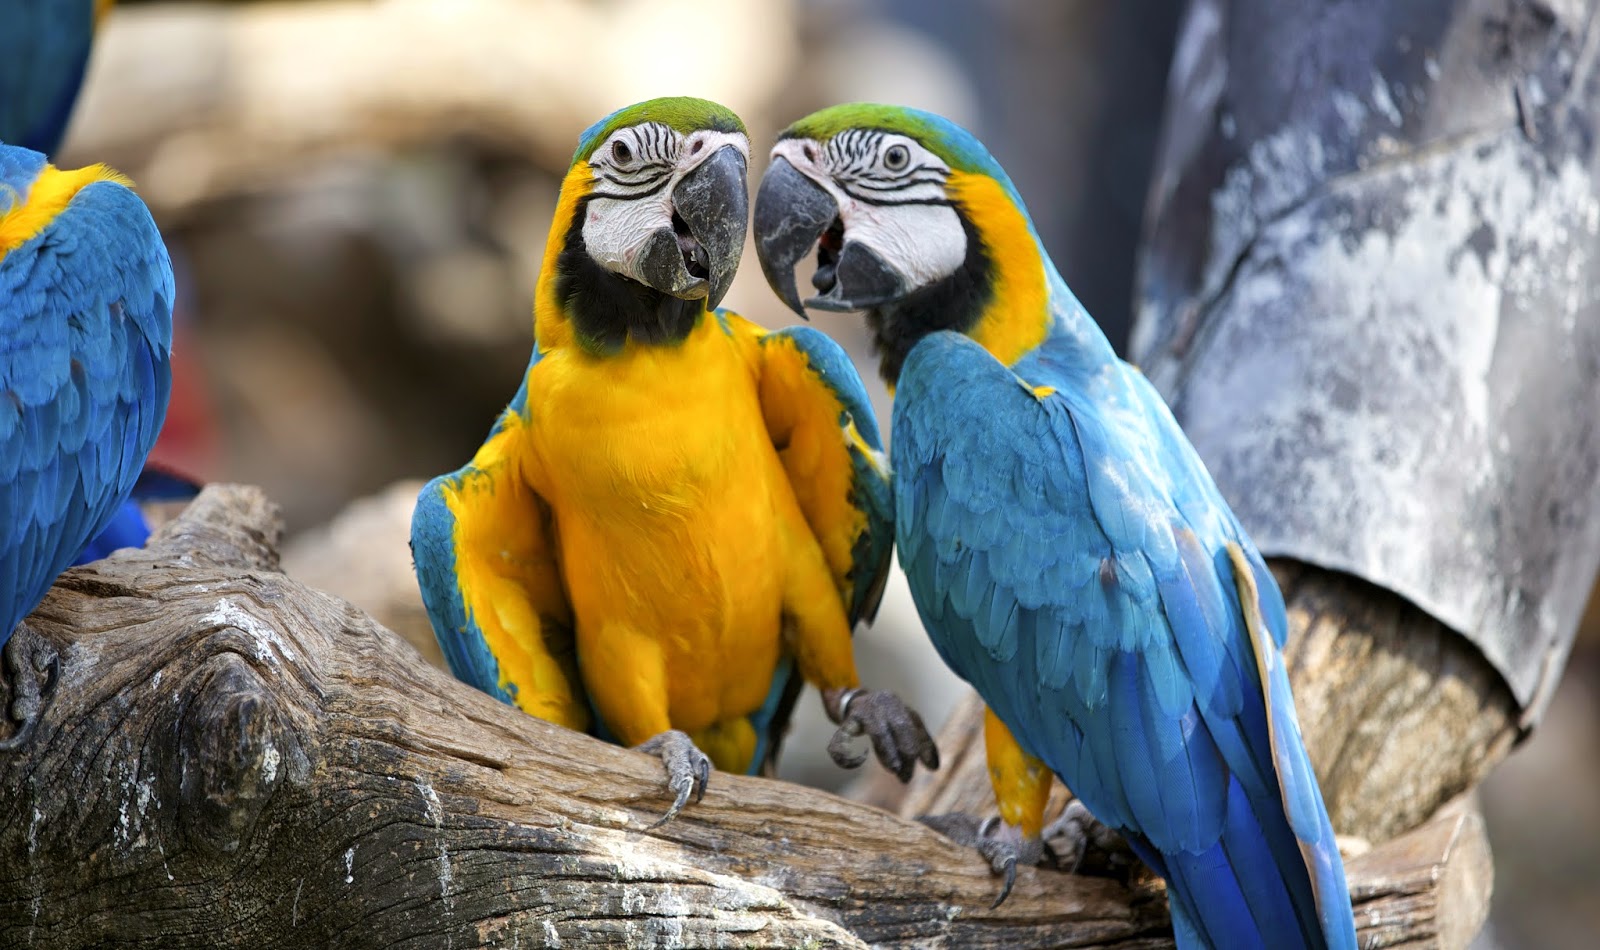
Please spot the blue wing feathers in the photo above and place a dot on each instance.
(433, 551)
(85, 342)
(830, 362)
(1082, 535)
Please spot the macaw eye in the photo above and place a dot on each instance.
(896, 157)
(621, 152)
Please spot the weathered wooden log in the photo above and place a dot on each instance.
(233, 759)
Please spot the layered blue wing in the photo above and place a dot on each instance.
(44, 47)
(1069, 557)
(484, 549)
(85, 344)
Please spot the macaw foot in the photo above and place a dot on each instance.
(1003, 845)
(1083, 845)
(897, 733)
(688, 769)
(32, 667)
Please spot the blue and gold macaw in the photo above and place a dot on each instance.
(44, 49)
(86, 297)
(680, 516)
(1068, 552)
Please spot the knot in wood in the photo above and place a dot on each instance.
(234, 753)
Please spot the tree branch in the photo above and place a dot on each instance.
(233, 759)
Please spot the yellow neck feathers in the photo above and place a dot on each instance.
(52, 191)
(551, 327)
(1018, 315)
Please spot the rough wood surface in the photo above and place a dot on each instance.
(232, 759)
(1400, 713)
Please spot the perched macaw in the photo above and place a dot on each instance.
(85, 338)
(44, 48)
(1068, 552)
(680, 516)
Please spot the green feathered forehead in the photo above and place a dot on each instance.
(684, 114)
(958, 147)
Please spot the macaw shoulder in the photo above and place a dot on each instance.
(42, 195)
(801, 370)
(81, 240)
(1087, 438)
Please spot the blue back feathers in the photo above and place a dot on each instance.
(85, 343)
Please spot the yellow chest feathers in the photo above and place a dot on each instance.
(653, 428)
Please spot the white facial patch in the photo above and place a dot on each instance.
(635, 171)
(891, 197)
(615, 229)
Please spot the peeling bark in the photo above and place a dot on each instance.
(1367, 290)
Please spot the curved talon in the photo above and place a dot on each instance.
(27, 657)
(1003, 849)
(1005, 889)
(688, 770)
(898, 735)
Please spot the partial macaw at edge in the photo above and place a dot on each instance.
(44, 53)
(86, 295)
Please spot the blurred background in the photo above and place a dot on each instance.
(356, 195)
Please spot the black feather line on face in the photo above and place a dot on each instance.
(607, 308)
(950, 303)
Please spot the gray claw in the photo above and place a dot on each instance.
(1077, 834)
(898, 735)
(1002, 845)
(29, 659)
(688, 769)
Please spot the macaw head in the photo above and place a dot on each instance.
(654, 211)
(911, 219)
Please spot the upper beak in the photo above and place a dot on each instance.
(698, 255)
(795, 214)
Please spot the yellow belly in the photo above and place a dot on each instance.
(673, 516)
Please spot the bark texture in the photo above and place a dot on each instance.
(233, 759)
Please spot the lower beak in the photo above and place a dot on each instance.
(794, 215)
(699, 254)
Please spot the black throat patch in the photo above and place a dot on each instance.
(606, 309)
(951, 303)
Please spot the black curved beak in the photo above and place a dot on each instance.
(699, 254)
(793, 215)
